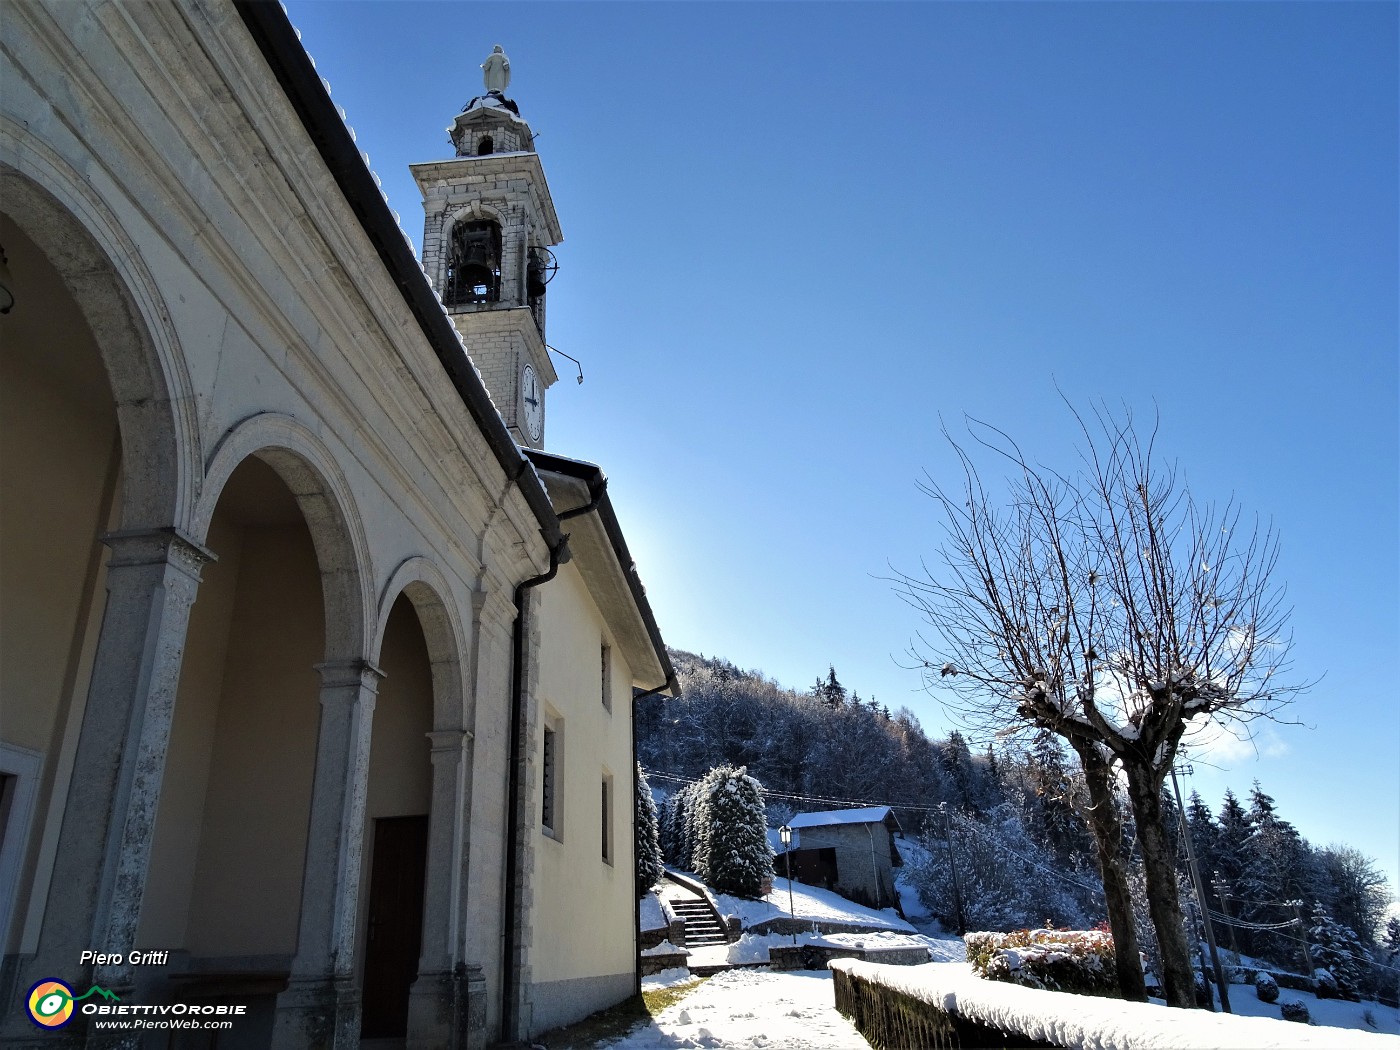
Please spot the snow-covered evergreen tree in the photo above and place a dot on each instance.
(680, 830)
(699, 821)
(1277, 868)
(666, 828)
(648, 850)
(737, 857)
(1390, 943)
(1337, 948)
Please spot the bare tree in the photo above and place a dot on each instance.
(1108, 606)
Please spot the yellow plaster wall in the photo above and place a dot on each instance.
(247, 881)
(400, 766)
(584, 912)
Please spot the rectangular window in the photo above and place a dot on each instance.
(606, 689)
(549, 762)
(607, 818)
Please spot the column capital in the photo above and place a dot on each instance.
(359, 674)
(164, 545)
(448, 741)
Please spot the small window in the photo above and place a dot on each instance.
(607, 825)
(606, 684)
(485, 147)
(549, 763)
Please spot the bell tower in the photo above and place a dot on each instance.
(488, 226)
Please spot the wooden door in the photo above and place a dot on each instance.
(395, 934)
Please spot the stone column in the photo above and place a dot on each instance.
(432, 1001)
(321, 1006)
(108, 823)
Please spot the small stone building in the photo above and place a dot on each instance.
(851, 851)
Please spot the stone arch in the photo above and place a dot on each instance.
(321, 490)
(475, 210)
(426, 586)
(421, 584)
(102, 269)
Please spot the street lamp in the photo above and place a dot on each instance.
(785, 836)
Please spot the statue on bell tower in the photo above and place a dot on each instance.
(495, 71)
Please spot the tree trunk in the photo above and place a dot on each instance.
(1159, 866)
(1107, 826)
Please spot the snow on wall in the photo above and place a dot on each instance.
(1087, 1022)
(651, 916)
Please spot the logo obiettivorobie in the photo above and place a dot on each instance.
(51, 1002)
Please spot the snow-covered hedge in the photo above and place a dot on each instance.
(1057, 960)
(1265, 987)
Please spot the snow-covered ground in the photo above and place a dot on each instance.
(751, 1010)
(1337, 1013)
(810, 903)
(1111, 1024)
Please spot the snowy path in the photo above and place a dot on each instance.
(751, 1009)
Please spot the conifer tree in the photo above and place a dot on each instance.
(1390, 944)
(831, 692)
(736, 856)
(681, 830)
(648, 848)
(1336, 948)
(699, 821)
(1277, 868)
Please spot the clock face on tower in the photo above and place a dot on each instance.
(533, 398)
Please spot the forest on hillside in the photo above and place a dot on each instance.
(1011, 819)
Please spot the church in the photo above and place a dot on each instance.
(317, 663)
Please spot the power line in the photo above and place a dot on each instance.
(851, 802)
(858, 803)
(1300, 940)
(968, 825)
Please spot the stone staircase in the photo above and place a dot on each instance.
(702, 926)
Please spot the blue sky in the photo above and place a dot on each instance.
(799, 236)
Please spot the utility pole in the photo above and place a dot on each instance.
(1220, 889)
(1303, 934)
(1196, 939)
(1220, 981)
(953, 867)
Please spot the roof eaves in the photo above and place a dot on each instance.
(592, 475)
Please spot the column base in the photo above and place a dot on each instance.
(318, 1013)
(447, 1009)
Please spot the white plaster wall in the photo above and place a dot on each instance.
(247, 882)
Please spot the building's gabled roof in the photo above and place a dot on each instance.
(866, 815)
(598, 547)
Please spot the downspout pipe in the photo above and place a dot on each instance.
(636, 899)
(558, 554)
